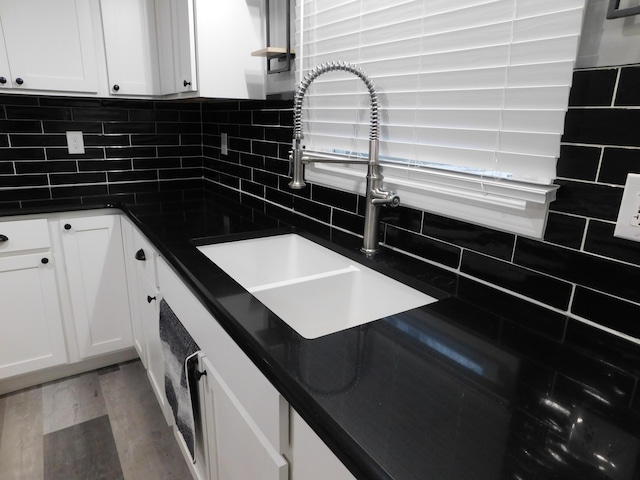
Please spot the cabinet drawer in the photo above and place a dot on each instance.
(21, 235)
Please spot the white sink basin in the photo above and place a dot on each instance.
(313, 289)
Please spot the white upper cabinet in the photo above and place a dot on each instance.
(227, 31)
(48, 46)
(176, 46)
(131, 48)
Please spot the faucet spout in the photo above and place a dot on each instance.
(376, 196)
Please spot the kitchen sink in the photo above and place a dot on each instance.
(315, 290)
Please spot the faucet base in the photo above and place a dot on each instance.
(369, 251)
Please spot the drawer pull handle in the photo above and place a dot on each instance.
(45, 260)
(4, 238)
(140, 255)
(67, 226)
(150, 298)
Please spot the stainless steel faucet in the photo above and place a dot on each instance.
(375, 195)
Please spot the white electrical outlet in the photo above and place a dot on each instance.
(75, 142)
(628, 224)
(224, 148)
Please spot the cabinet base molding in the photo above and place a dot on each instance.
(19, 382)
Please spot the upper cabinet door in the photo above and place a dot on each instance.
(131, 48)
(176, 46)
(49, 45)
(5, 71)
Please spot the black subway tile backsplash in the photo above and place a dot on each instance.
(565, 230)
(33, 149)
(604, 126)
(593, 88)
(628, 94)
(600, 240)
(531, 284)
(578, 162)
(617, 163)
(587, 199)
(606, 310)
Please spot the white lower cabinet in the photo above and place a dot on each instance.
(94, 259)
(237, 447)
(31, 334)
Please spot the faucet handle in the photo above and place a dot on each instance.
(389, 199)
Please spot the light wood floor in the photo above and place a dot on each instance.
(104, 425)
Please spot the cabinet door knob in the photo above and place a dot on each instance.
(116, 87)
(19, 81)
(67, 226)
(150, 298)
(140, 255)
(3, 238)
(186, 84)
(198, 374)
(45, 260)
(3, 80)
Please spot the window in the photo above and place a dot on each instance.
(473, 95)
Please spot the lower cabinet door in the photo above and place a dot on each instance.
(31, 334)
(237, 447)
(149, 299)
(94, 258)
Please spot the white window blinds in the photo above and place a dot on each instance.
(479, 86)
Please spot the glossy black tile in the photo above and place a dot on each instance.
(22, 140)
(22, 153)
(70, 102)
(7, 168)
(602, 126)
(335, 198)
(587, 199)
(266, 178)
(4, 140)
(20, 126)
(166, 139)
(8, 99)
(180, 151)
(134, 187)
(600, 240)
(54, 153)
(181, 173)
(131, 152)
(251, 160)
(78, 191)
(192, 116)
(403, 217)
(252, 187)
(240, 117)
(278, 196)
(77, 178)
(130, 127)
(313, 209)
(609, 311)
(106, 140)
(269, 149)
(132, 176)
(627, 93)
(517, 279)
(565, 230)
(278, 166)
(38, 113)
(100, 114)
(8, 181)
(578, 162)
(62, 127)
(266, 117)
(421, 246)
(174, 127)
(582, 268)
(279, 134)
(24, 194)
(347, 220)
(48, 166)
(477, 238)
(617, 163)
(103, 165)
(593, 87)
(240, 144)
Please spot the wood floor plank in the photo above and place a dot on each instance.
(21, 448)
(146, 445)
(85, 451)
(71, 401)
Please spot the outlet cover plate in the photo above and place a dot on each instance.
(75, 142)
(628, 223)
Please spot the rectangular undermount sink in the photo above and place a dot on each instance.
(313, 289)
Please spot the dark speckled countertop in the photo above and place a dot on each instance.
(466, 388)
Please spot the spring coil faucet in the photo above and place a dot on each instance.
(375, 195)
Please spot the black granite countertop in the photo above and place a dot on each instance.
(479, 385)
